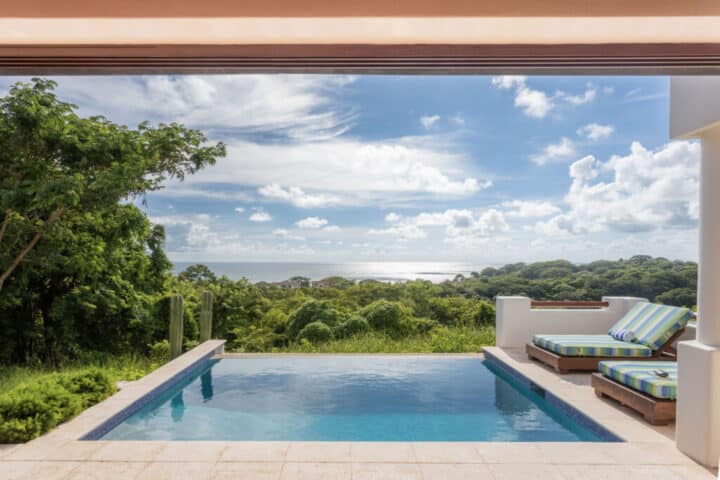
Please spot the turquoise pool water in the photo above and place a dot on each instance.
(351, 398)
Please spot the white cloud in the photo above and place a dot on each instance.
(533, 103)
(392, 217)
(332, 228)
(537, 103)
(608, 90)
(586, 97)
(293, 106)
(595, 131)
(528, 209)
(239, 209)
(285, 233)
(311, 222)
(260, 217)
(554, 152)
(647, 190)
(458, 120)
(429, 121)
(456, 223)
(342, 171)
(296, 196)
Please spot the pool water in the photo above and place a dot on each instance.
(350, 398)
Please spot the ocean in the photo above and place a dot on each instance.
(384, 271)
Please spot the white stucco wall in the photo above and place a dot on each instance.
(516, 322)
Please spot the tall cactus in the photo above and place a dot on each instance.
(176, 325)
(206, 307)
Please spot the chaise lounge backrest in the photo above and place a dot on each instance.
(651, 324)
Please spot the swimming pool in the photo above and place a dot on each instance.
(352, 398)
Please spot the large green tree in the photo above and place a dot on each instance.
(55, 163)
(81, 267)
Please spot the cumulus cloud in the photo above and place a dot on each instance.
(555, 152)
(239, 209)
(392, 217)
(311, 222)
(537, 103)
(429, 121)
(456, 223)
(595, 131)
(260, 217)
(286, 234)
(645, 190)
(529, 209)
(297, 197)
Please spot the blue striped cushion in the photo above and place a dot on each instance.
(651, 324)
(641, 376)
(590, 346)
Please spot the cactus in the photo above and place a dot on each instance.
(176, 325)
(206, 306)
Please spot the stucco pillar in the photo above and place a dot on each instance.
(695, 113)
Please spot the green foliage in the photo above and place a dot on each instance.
(389, 317)
(315, 332)
(31, 409)
(80, 268)
(351, 327)
(160, 351)
(310, 312)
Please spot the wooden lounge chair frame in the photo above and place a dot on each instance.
(563, 364)
(655, 410)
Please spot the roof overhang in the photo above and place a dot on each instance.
(612, 36)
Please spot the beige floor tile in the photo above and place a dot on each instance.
(191, 452)
(318, 452)
(255, 452)
(516, 471)
(128, 451)
(38, 449)
(386, 471)
(39, 470)
(388, 452)
(645, 453)
(106, 471)
(563, 453)
(246, 471)
(695, 472)
(177, 471)
(455, 471)
(511, 452)
(15, 470)
(75, 450)
(316, 471)
(447, 452)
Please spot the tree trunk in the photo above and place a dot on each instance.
(35, 239)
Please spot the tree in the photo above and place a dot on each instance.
(198, 273)
(55, 164)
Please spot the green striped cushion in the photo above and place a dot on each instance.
(640, 376)
(590, 346)
(652, 324)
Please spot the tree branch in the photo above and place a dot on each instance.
(6, 222)
(54, 216)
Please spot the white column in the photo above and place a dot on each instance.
(695, 113)
(708, 329)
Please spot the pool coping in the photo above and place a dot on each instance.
(61, 454)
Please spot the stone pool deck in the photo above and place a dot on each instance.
(648, 453)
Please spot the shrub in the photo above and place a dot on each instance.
(31, 410)
(352, 326)
(160, 352)
(389, 317)
(421, 325)
(310, 312)
(91, 385)
(315, 332)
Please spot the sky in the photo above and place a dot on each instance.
(479, 169)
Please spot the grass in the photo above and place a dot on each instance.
(450, 340)
(117, 367)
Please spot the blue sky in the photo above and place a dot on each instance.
(476, 169)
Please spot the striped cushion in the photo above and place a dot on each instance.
(590, 346)
(640, 376)
(651, 324)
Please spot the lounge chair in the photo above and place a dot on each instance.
(640, 386)
(646, 333)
